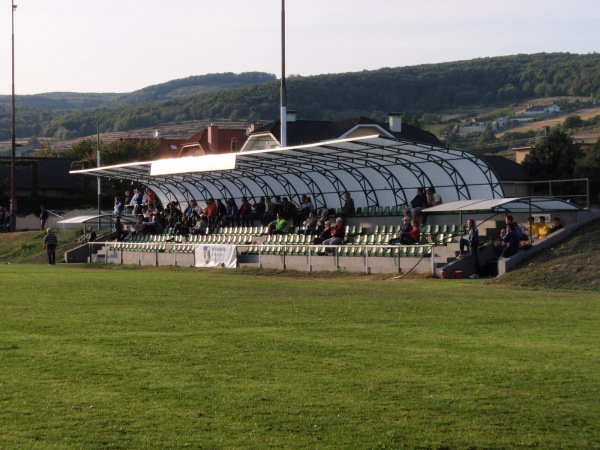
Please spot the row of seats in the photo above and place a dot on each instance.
(343, 250)
(426, 229)
(378, 238)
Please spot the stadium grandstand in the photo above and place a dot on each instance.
(381, 173)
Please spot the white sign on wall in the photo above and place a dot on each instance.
(211, 255)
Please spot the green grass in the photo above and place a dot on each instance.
(108, 357)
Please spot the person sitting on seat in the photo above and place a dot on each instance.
(140, 226)
(510, 242)
(182, 228)
(244, 214)
(324, 234)
(418, 203)
(556, 225)
(405, 229)
(90, 236)
(338, 233)
(279, 225)
(543, 229)
(200, 228)
(310, 225)
(413, 236)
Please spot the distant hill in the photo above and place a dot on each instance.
(187, 87)
(59, 101)
(417, 90)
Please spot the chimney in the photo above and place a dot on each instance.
(395, 121)
(254, 127)
(213, 138)
(291, 115)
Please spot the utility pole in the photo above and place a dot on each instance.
(283, 98)
(13, 147)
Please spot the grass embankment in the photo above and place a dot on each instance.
(109, 357)
(27, 246)
(573, 264)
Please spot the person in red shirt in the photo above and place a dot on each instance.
(337, 233)
(413, 236)
(244, 213)
(211, 212)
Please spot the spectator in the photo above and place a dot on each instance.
(90, 236)
(324, 217)
(279, 225)
(153, 226)
(221, 213)
(172, 214)
(433, 198)
(418, 203)
(43, 217)
(136, 202)
(120, 232)
(310, 225)
(244, 214)
(405, 235)
(510, 242)
(305, 207)
(118, 206)
(348, 208)
(182, 227)
(211, 212)
(127, 201)
(201, 227)
(413, 236)
(532, 229)
(260, 211)
(472, 242)
(149, 196)
(288, 208)
(232, 211)
(556, 225)
(338, 233)
(140, 226)
(324, 234)
(543, 229)
(189, 211)
(50, 243)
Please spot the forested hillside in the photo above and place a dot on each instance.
(416, 90)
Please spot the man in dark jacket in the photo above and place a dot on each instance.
(50, 242)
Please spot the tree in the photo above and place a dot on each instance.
(553, 158)
(488, 136)
(572, 122)
(588, 166)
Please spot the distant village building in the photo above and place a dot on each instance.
(539, 110)
(521, 153)
(301, 132)
(213, 139)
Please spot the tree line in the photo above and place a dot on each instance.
(415, 90)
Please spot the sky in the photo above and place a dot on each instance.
(125, 45)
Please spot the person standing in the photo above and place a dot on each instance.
(43, 217)
(472, 242)
(119, 229)
(348, 208)
(50, 243)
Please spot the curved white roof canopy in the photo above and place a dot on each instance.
(376, 170)
(518, 204)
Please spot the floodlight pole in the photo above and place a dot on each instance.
(13, 146)
(98, 164)
(283, 98)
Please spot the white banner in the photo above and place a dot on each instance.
(214, 255)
